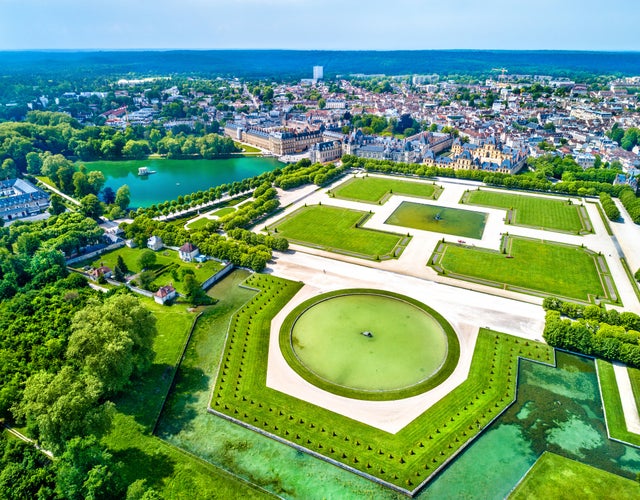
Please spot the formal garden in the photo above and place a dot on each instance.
(339, 230)
(403, 461)
(377, 190)
(530, 266)
(560, 214)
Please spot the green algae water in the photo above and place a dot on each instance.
(177, 177)
(369, 342)
(438, 219)
(557, 410)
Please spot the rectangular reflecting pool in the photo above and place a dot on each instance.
(439, 219)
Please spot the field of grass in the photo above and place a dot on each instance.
(166, 261)
(169, 470)
(404, 460)
(558, 477)
(336, 229)
(376, 189)
(612, 405)
(533, 211)
(542, 267)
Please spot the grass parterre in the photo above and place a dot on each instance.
(377, 189)
(530, 266)
(337, 230)
(534, 211)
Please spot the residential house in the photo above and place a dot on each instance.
(188, 252)
(155, 243)
(165, 294)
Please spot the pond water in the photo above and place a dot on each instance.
(369, 342)
(439, 219)
(177, 177)
(558, 410)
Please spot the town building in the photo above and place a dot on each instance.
(19, 198)
(489, 156)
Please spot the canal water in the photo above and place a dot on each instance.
(557, 410)
(177, 177)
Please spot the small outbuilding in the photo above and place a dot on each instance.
(165, 294)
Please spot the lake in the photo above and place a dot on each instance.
(177, 177)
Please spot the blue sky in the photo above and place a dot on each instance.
(320, 24)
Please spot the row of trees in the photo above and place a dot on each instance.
(304, 172)
(609, 206)
(631, 203)
(241, 252)
(593, 331)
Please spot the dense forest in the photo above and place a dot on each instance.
(297, 64)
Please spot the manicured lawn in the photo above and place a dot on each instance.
(224, 211)
(558, 477)
(404, 459)
(544, 267)
(375, 189)
(198, 224)
(532, 211)
(166, 261)
(334, 229)
(612, 404)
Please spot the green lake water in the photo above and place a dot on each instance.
(439, 219)
(407, 345)
(177, 177)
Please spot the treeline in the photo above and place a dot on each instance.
(45, 132)
(237, 251)
(275, 243)
(265, 200)
(303, 172)
(593, 331)
(31, 253)
(56, 380)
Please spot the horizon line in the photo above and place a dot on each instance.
(175, 49)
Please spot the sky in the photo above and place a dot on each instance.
(320, 24)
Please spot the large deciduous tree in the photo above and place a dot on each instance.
(112, 341)
(58, 407)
